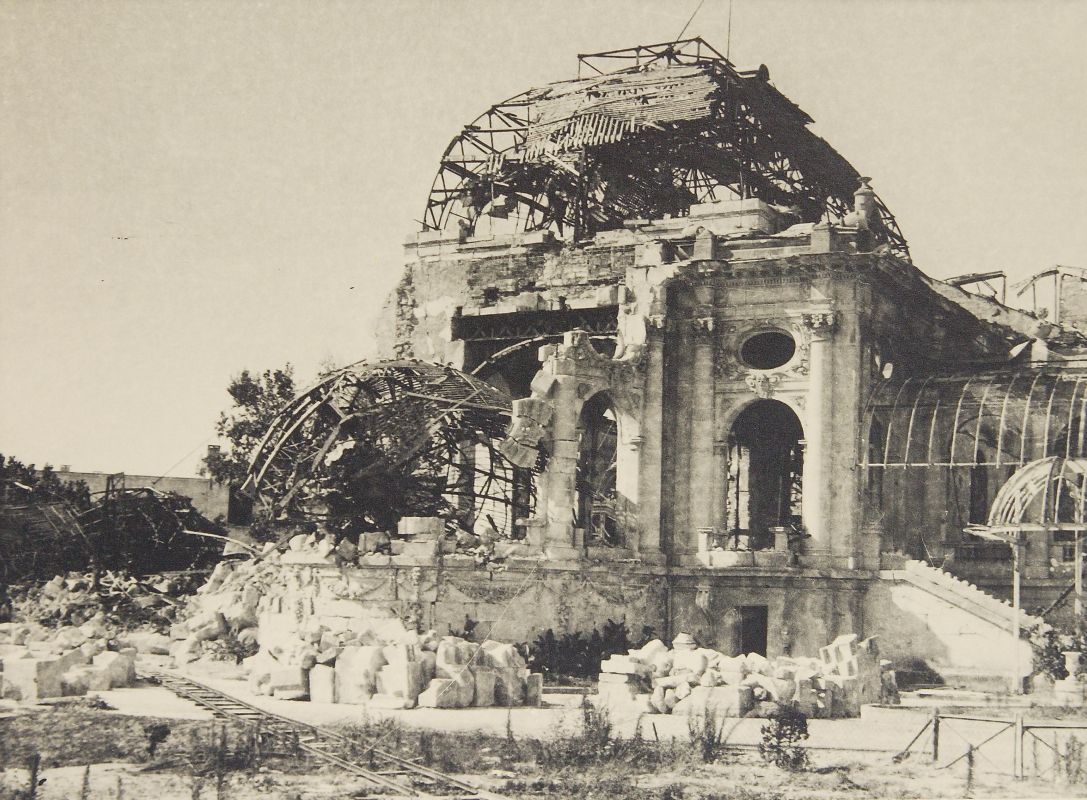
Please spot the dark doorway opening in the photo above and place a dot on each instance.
(754, 621)
(766, 468)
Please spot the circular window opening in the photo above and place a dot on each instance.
(768, 350)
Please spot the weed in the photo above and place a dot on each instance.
(707, 735)
(156, 734)
(1071, 759)
(426, 747)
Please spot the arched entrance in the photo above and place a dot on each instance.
(766, 464)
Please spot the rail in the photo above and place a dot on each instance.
(385, 770)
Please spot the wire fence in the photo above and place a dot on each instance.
(1014, 747)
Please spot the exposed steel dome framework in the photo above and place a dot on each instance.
(650, 131)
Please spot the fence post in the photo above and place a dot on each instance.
(935, 734)
(1018, 770)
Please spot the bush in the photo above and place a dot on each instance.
(1048, 646)
(578, 655)
(781, 740)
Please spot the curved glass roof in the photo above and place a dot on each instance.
(998, 418)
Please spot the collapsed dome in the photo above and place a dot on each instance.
(650, 132)
(372, 443)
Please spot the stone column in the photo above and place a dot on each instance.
(561, 473)
(818, 445)
(701, 489)
(650, 448)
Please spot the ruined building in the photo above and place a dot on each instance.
(730, 404)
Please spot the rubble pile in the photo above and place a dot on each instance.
(312, 637)
(125, 602)
(693, 680)
(387, 668)
(37, 662)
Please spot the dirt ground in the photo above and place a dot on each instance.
(743, 779)
(134, 756)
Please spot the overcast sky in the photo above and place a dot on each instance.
(188, 189)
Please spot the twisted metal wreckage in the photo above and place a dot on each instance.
(371, 443)
(136, 529)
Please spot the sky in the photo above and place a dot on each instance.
(189, 189)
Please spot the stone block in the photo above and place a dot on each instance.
(401, 679)
(427, 527)
(391, 702)
(756, 663)
(672, 681)
(485, 680)
(121, 668)
(464, 686)
(429, 661)
(534, 689)
(626, 665)
(287, 678)
(290, 694)
(662, 663)
(356, 673)
(92, 647)
(693, 662)
(322, 684)
(421, 552)
(617, 695)
(502, 656)
(69, 637)
(81, 679)
(32, 679)
(509, 688)
(723, 701)
(439, 694)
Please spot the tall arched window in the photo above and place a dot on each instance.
(596, 494)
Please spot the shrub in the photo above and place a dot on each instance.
(781, 740)
(578, 655)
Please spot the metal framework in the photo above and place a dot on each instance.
(651, 131)
(1049, 494)
(371, 443)
(1000, 418)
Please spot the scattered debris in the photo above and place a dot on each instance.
(697, 681)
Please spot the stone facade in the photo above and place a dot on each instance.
(685, 325)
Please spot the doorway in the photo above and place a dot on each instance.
(754, 622)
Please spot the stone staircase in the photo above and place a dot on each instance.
(964, 634)
(954, 590)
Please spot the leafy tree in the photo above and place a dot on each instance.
(40, 486)
(257, 399)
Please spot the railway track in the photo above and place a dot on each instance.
(393, 775)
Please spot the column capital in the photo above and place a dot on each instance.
(702, 327)
(821, 323)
